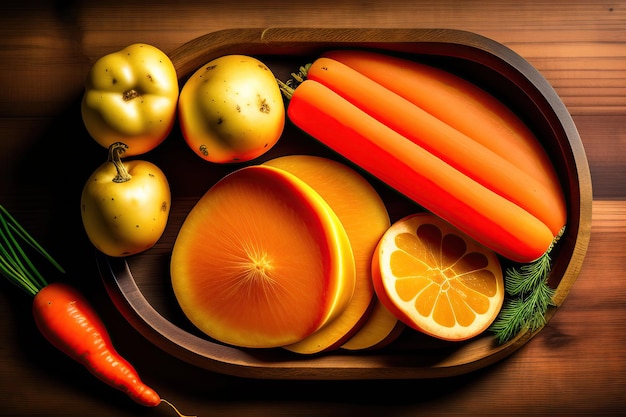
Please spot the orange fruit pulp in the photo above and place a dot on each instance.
(436, 279)
(261, 260)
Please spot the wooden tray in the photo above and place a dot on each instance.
(140, 287)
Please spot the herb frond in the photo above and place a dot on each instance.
(529, 297)
(527, 277)
(526, 311)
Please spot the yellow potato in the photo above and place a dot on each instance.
(231, 109)
(130, 97)
(125, 206)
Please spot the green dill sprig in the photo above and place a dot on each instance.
(525, 309)
(529, 297)
(524, 279)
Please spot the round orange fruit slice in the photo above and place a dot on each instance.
(436, 279)
(382, 328)
(261, 260)
(364, 216)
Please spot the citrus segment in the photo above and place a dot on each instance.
(364, 216)
(436, 279)
(261, 260)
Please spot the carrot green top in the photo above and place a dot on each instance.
(15, 263)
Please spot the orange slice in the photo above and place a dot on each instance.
(436, 279)
(382, 328)
(364, 216)
(261, 260)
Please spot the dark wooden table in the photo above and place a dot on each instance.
(576, 365)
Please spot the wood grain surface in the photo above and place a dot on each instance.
(575, 366)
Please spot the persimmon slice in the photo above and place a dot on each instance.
(436, 279)
(381, 328)
(262, 260)
(364, 217)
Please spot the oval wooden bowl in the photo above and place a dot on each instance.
(140, 287)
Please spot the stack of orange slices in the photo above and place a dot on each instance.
(299, 253)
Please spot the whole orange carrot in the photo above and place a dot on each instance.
(460, 151)
(65, 318)
(460, 104)
(490, 218)
(68, 321)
